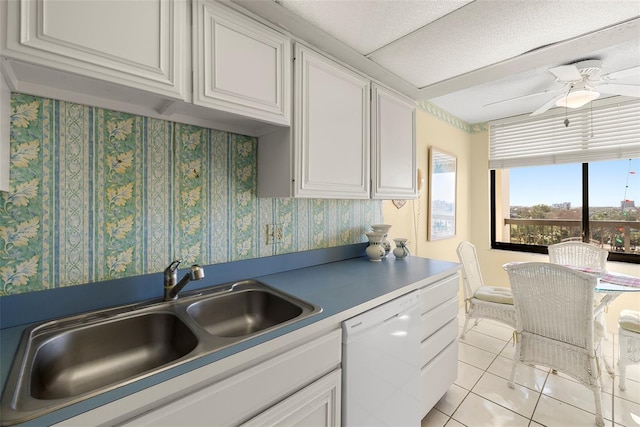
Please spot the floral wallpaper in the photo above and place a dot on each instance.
(98, 194)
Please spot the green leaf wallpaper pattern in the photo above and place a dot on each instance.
(97, 194)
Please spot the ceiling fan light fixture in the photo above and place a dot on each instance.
(577, 98)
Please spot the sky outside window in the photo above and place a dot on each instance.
(556, 184)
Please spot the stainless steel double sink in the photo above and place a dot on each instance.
(71, 359)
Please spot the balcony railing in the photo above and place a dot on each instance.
(616, 236)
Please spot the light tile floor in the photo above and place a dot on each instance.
(481, 397)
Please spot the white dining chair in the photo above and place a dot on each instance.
(578, 254)
(555, 324)
(581, 254)
(629, 343)
(482, 302)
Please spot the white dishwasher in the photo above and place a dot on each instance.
(381, 365)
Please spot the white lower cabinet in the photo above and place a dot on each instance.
(439, 348)
(237, 398)
(438, 376)
(317, 405)
(300, 385)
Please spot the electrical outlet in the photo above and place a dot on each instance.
(269, 234)
(273, 233)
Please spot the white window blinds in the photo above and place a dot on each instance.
(609, 130)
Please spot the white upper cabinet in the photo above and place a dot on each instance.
(327, 155)
(132, 43)
(227, 71)
(331, 129)
(393, 145)
(240, 65)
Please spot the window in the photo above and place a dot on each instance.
(616, 227)
(550, 184)
(597, 202)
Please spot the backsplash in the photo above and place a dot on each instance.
(98, 194)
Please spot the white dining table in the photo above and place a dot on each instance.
(612, 285)
(617, 282)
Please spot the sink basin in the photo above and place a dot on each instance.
(243, 312)
(68, 360)
(74, 362)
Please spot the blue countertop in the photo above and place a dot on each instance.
(337, 287)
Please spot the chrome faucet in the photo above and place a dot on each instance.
(171, 284)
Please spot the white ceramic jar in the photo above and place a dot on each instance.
(375, 251)
(401, 250)
(384, 229)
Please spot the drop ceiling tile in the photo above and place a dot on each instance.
(463, 55)
(486, 32)
(470, 104)
(367, 25)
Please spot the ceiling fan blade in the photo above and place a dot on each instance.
(517, 98)
(566, 73)
(619, 89)
(547, 105)
(621, 74)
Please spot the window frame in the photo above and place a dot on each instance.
(540, 249)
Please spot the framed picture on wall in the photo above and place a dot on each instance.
(441, 221)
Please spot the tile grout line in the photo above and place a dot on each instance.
(468, 391)
(539, 393)
(484, 371)
(531, 419)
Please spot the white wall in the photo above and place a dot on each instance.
(433, 132)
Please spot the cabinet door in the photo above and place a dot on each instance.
(133, 43)
(317, 405)
(240, 65)
(438, 376)
(331, 129)
(439, 348)
(393, 147)
(439, 292)
(248, 393)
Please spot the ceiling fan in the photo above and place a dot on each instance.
(582, 82)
